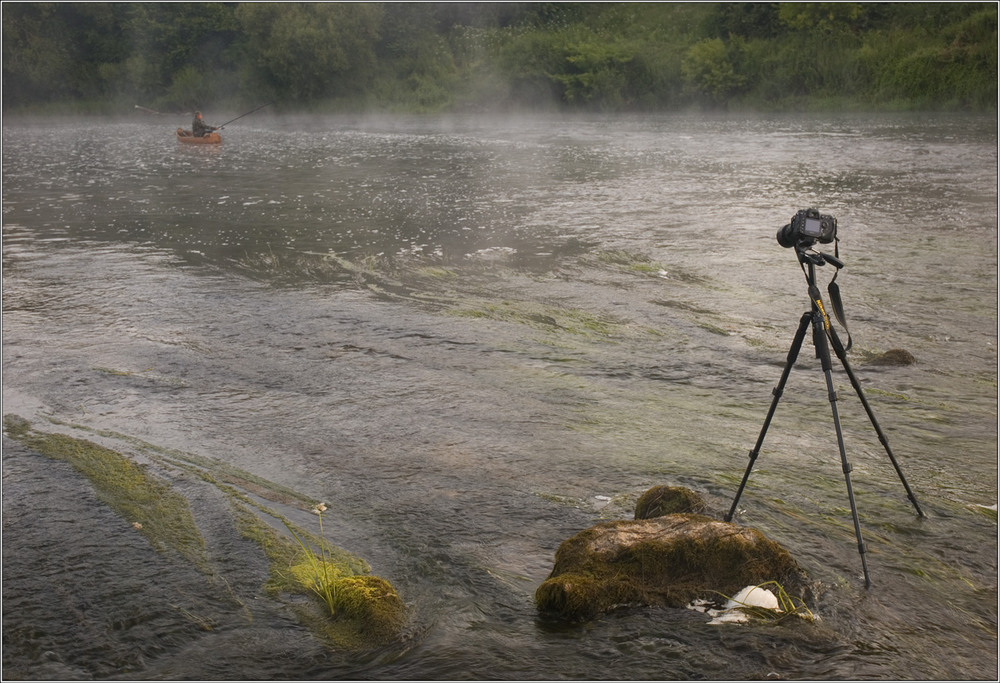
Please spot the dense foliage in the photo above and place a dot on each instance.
(485, 56)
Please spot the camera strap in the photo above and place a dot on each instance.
(838, 305)
(838, 309)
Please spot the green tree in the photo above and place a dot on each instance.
(825, 17)
(708, 71)
(54, 51)
(178, 52)
(744, 19)
(596, 70)
(306, 52)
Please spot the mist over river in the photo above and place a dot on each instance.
(474, 337)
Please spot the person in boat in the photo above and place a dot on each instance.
(198, 127)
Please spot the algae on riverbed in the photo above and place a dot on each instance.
(368, 611)
(154, 509)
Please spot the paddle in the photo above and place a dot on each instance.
(241, 116)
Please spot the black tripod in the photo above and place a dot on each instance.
(823, 330)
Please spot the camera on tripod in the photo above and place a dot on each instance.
(807, 227)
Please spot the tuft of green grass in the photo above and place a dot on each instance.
(318, 574)
(361, 608)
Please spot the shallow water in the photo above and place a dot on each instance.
(475, 337)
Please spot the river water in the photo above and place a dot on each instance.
(474, 337)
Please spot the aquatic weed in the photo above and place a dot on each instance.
(151, 506)
(318, 574)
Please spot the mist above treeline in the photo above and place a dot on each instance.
(441, 57)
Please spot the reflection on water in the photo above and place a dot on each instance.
(475, 338)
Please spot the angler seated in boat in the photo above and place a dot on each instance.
(199, 128)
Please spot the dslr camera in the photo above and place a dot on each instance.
(807, 227)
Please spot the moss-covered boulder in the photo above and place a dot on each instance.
(666, 561)
(668, 500)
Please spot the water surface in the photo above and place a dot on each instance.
(475, 337)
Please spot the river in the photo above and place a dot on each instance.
(475, 336)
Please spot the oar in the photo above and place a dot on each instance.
(151, 111)
(242, 115)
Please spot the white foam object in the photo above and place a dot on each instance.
(751, 596)
(754, 596)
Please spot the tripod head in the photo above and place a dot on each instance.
(816, 258)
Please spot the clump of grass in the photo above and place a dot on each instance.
(363, 609)
(318, 574)
(368, 610)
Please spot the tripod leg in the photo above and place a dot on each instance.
(838, 347)
(793, 353)
(823, 353)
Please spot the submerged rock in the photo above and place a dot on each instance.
(894, 357)
(667, 561)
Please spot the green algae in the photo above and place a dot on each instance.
(212, 470)
(552, 319)
(628, 261)
(366, 612)
(148, 503)
(709, 327)
(436, 272)
(986, 511)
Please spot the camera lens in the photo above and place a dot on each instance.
(787, 236)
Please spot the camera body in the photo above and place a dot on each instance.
(807, 227)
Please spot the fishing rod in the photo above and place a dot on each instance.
(242, 115)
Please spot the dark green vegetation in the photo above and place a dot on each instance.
(430, 57)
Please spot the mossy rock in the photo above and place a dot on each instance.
(372, 604)
(666, 561)
(894, 357)
(367, 613)
(668, 500)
